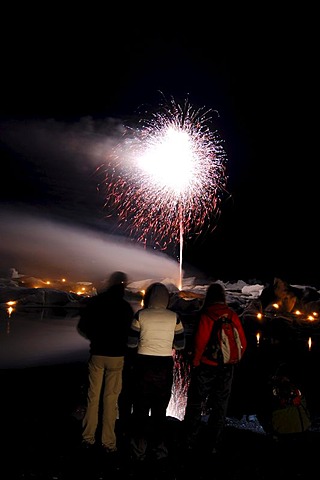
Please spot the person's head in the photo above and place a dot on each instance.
(115, 279)
(156, 296)
(118, 278)
(215, 294)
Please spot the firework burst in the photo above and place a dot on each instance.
(166, 178)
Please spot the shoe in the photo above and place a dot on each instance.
(87, 445)
(109, 450)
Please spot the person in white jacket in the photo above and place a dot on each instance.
(156, 332)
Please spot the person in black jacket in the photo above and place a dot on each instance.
(105, 322)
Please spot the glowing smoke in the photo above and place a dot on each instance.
(41, 247)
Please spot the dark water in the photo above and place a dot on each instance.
(36, 337)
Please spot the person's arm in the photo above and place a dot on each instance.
(202, 336)
(179, 340)
(134, 332)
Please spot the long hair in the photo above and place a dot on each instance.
(215, 294)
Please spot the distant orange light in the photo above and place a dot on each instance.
(10, 308)
(142, 299)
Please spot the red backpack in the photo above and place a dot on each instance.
(224, 345)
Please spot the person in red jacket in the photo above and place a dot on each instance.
(210, 381)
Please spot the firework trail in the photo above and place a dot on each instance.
(181, 381)
(166, 178)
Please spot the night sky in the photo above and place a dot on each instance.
(64, 79)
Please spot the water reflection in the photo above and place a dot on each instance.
(40, 336)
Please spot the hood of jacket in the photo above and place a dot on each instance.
(157, 296)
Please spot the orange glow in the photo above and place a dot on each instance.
(142, 300)
(82, 291)
(309, 343)
(258, 336)
(10, 308)
(259, 315)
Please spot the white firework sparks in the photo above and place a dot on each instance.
(170, 176)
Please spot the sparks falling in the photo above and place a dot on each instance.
(166, 179)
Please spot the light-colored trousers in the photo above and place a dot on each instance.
(104, 373)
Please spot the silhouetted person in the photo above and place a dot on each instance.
(105, 322)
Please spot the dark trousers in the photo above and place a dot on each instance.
(154, 379)
(126, 397)
(210, 388)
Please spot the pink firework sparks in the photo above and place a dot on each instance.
(169, 176)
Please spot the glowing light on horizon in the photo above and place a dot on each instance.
(10, 309)
(142, 297)
(169, 176)
(258, 338)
